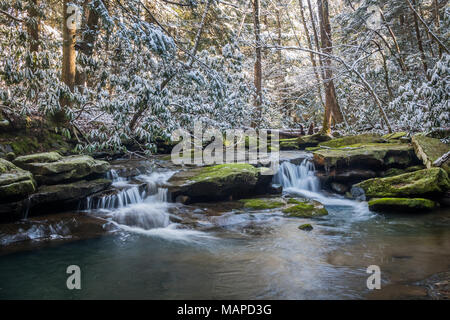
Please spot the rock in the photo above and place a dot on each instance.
(275, 189)
(352, 140)
(352, 176)
(219, 182)
(401, 205)
(263, 204)
(429, 150)
(10, 156)
(393, 172)
(15, 183)
(70, 192)
(306, 227)
(422, 183)
(339, 187)
(51, 168)
(395, 135)
(305, 209)
(182, 199)
(312, 140)
(371, 156)
(415, 168)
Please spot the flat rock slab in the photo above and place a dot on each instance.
(428, 150)
(369, 156)
(402, 205)
(51, 168)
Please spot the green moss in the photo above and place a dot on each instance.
(306, 227)
(414, 168)
(305, 210)
(401, 204)
(352, 140)
(394, 135)
(6, 166)
(422, 182)
(224, 170)
(262, 204)
(289, 144)
(294, 201)
(311, 149)
(18, 189)
(25, 145)
(393, 172)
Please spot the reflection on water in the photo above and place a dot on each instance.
(156, 253)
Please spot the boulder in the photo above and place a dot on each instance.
(352, 140)
(401, 205)
(395, 136)
(70, 192)
(306, 227)
(219, 182)
(51, 168)
(15, 183)
(305, 209)
(374, 156)
(429, 150)
(423, 183)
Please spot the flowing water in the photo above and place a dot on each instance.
(157, 250)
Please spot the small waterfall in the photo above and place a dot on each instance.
(120, 199)
(297, 176)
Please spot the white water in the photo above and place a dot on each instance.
(300, 180)
(143, 212)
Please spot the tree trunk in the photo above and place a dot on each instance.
(420, 44)
(87, 45)
(311, 55)
(331, 103)
(68, 66)
(258, 65)
(33, 25)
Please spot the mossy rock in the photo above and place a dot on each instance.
(312, 140)
(394, 135)
(415, 168)
(422, 183)
(237, 181)
(45, 157)
(305, 209)
(372, 156)
(289, 144)
(306, 227)
(64, 169)
(429, 150)
(352, 140)
(15, 183)
(262, 204)
(401, 205)
(393, 172)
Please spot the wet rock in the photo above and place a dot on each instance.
(423, 183)
(15, 183)
(70, 192)
(305, 209)
(339, 187)
(219, 182)
(51, 168)
(306, 227)
(401, 205)
(367, 156)
(429, 150)
(393, 172)
(182, 199)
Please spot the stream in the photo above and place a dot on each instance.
(133, 244)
